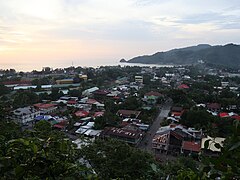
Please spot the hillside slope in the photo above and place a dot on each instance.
(227, 55)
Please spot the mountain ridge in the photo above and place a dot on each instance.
(227, 55)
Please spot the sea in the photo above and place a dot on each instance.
(95, 64)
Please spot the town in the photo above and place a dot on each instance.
(173, 114)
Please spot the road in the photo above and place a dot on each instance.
(146, 143)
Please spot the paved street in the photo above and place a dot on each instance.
(146, 143)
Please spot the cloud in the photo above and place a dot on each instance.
(63, 29)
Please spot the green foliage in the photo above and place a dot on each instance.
(131, 103)
(108, 119)
(200, 119)
(55, 94)
(180, 168)
(3, 90)
(147, 116)
(24, 98)
(39, 154)
(75, 93)
(41, 81)
(226, 166)
(116, 160)
(180, 97)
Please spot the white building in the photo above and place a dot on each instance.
(25, 115)
(139, 79)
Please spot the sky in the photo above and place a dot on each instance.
(57, 33)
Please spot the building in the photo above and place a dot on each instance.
(128, 113)
(183, 86)
(177, 112)
(25, 115)
(88, 92)
(100, 94)
(139, 79)
(64, 81)
(191, 147)
(151, 97)
(84, 77)
(127, 134)
(176, 139)
(45, 108)
(214, 107)
(212, 150)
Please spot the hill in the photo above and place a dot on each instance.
(227, 55)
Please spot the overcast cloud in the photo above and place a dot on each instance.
(56, 31)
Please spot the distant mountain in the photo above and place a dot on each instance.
(227, 55)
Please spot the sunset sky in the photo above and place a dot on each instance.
(37, 33)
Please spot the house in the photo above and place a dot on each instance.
(84, 128)
(167, 141)
(139, 79)
(177, 112)
(88, 92)
(84, 77)
(61, 125)
(135, 122)
(98, 114)
(25, 115)
(175, 139)
(224, 84)
(151, 97)
(81, 113)
(100, 94)
(183, 86)
(215, 107)
(127, 134)
(190, 147)
(114, 94)
(212, 150)
(128, 113)
(45, 108)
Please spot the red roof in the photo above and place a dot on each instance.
(191, 146)
(98, 114)
(183, 86)
(177, 113)
(237, 117)
(124, 123)
(116, 97)
(72, 102)
(223, 114)
(60, 125)
(91, 101)
(44, 106)
(81, 113)
(153, 93)
(101, 92)
(213, 106)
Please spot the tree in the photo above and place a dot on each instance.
(55, 94)
(200, 119)
(225, 166)
(24, 98)
(75, 93)
(3, 90)
(181, 167)
(116, 160)
(40, 155)
(131, 103)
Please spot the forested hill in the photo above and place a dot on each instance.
(227, 55)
